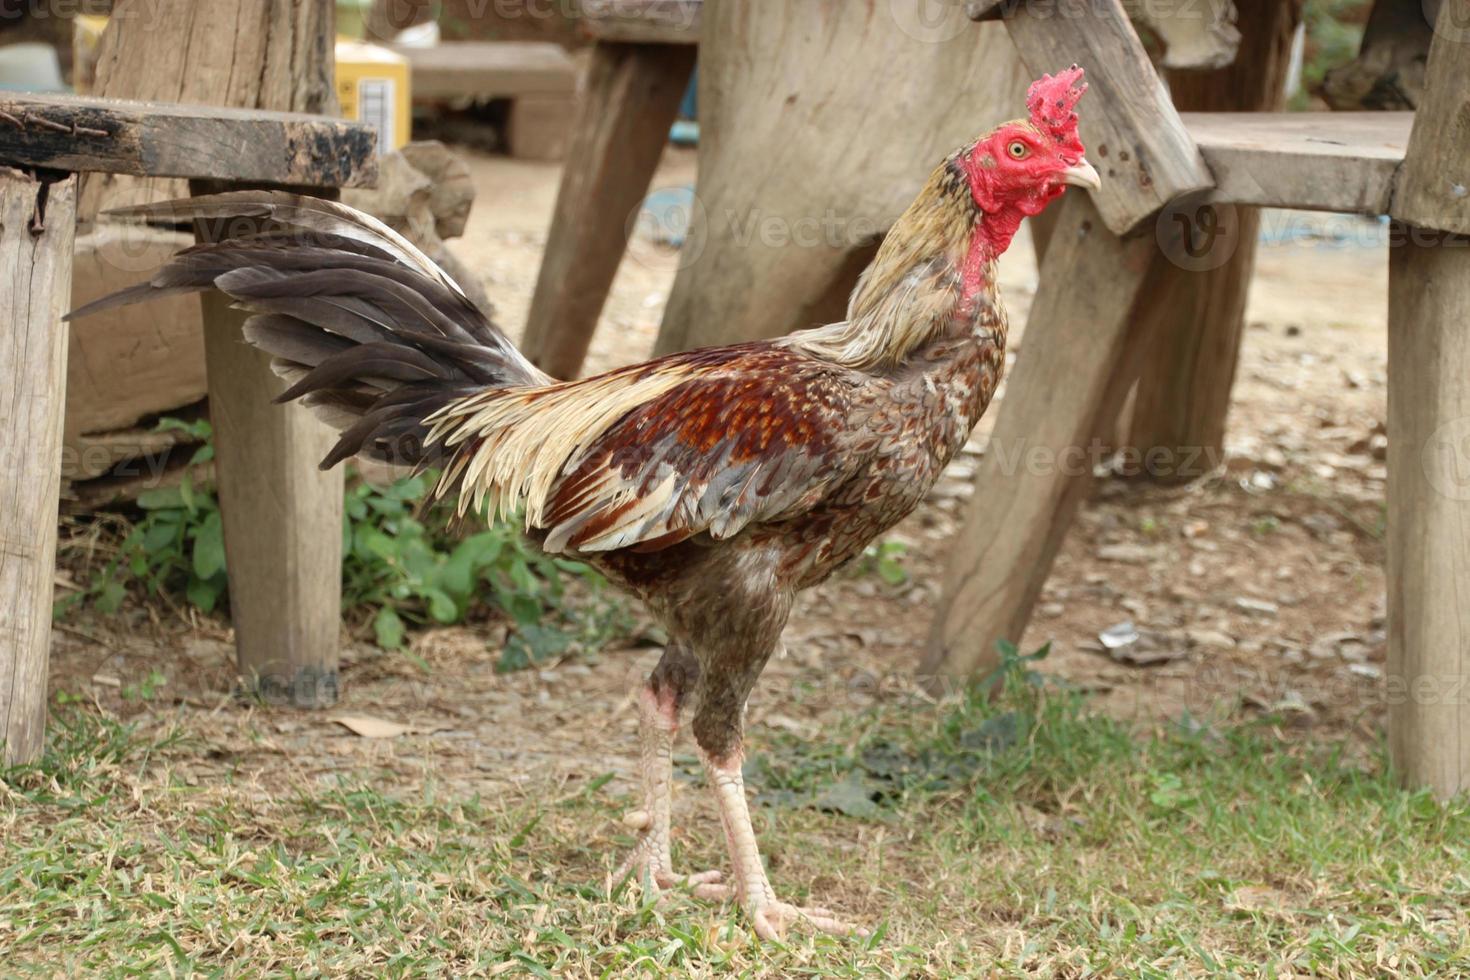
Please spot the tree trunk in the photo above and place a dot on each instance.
(1183, 394)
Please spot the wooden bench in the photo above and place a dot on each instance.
(539, 80)
(1090, 328)
(270, 525)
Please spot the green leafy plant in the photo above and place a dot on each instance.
(399, 569)
(885, 559)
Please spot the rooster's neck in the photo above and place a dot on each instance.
(934, 271)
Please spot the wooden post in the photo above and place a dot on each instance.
(37, 225)
(282, 516)
(1132, 131)
(1184, 388)
(788, 208)
(1429, 435)
(631, 97)
(1082, 355)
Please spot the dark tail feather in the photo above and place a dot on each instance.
(371, 335)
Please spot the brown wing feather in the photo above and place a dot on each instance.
(756, 433)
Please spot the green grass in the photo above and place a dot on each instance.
(1021, 837)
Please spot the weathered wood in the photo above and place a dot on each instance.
(1183, 395)
(1132, 131)
(134, 361)
(1434, 187)
(1428, 683)
(37, 224)
(632, 95)
(786, 205)
(1081, 356)
(1197, 35)
(489, 69)
(1428, 436)
(1314, 161)
(540, 127)
(153, 139)
(282, 516)
(643, 21)
(172, 51)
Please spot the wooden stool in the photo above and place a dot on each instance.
(1085, 343)
(59, 137)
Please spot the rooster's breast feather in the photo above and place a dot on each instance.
(709, 441)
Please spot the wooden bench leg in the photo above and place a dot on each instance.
(282, 520)
(631, 98)
(1428, 685)
(37, 226)
(1081, 356)
(282, 514)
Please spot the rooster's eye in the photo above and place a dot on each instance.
(1017, 150)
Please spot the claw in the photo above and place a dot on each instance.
(771, 920)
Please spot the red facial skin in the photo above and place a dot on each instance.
(1014, 173)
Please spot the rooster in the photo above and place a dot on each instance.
(713, 484)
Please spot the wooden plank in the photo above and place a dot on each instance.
(632, 95)
(1428, 683)
(788, 213)
(172, 51)
(1082, 355)
(1315, 161)
(35, 268)
(154, 139)
(643, 21)
(489, 69)
(1183, 394)
(1133, 134)
(134, 361)
(1434, 188)
(282, 516)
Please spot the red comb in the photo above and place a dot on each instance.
(1052, 100)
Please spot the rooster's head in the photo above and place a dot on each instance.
(1024, 165)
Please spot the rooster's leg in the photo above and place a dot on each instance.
(658, 722)
(769, 914)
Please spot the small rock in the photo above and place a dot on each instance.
(1210, 638)
(1256, 607)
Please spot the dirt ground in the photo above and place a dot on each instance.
(1258, 588)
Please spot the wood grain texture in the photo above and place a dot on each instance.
(1183, 394)
(1082, 354)
(1316, 161)
(282, 516)
(154, 139)
(643, 21)
(1434, 187)
(270, 55)
(35, 269)
(1429, 508)
(1133, 133)
(805, 163)
(631, 96)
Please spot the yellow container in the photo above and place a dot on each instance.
(373, 87)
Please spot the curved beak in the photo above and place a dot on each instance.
(1082, 174)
